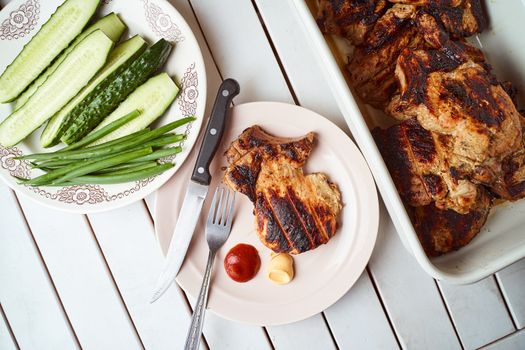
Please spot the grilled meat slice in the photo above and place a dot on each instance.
(423, 170)
(349, 18)
(371, 67)
(460, 18)
(294, 212)
(509, 183)
(447, 211)
(246, 153)
(451, 94)
(442, 231)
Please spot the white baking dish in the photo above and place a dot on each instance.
(502, 240)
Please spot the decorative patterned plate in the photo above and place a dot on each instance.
(152, 19)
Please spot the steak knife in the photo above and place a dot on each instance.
(197, 188)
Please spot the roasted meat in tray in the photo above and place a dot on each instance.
(294, 212)
(458, 147)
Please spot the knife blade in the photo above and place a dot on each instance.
(197, 188)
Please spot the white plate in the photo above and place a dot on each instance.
(152, 19)
(324, 274)
(502, 240)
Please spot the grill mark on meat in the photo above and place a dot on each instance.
(393, 149)
(307, 219)
(274, 231)
(453, 18)
(349, 18)
(421, 142)
(454, 174)
(479, 103)
(364, 12)
(516, 191)
(434, 184)
(289, 152)
(511, 90)
(244, 176)
(477, 11)
(441, 231)
(385, 33)
(291, 225)
(326, 219)
(421, 63)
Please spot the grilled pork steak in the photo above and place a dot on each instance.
(380, 32)
(424, 170)
(294, 212)
(442, 231)
(349, 18)
(453, 95)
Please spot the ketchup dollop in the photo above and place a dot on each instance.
(242, 262)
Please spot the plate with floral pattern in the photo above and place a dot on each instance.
(152, 19)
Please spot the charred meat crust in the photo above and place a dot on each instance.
(349, 18)
(442, 231)
(294, 212)
(268, 228)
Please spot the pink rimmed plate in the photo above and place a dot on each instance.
(323, 275)
(152, 19)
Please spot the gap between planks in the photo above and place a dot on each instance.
(3, 318)
(44, 265)
(88, 222)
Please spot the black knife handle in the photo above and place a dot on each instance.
(214, 130)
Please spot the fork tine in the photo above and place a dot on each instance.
(222, 203)
(229, 219)
(213, 206)
(224, 208)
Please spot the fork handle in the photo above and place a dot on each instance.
(197, 320)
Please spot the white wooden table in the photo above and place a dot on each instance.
(72, 281)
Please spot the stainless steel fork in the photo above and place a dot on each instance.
(218, 227)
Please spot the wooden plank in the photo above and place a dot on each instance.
(515, 341)
(81, 277)
(478, 311)
(306, 334)
(512, 283)
(223, 334)
(241, 50)
(246, 55)
(7, 342)
(26, 291)
(298, 59)
(358, 321)
(128, 242)
(410, 296)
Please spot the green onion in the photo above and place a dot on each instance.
(124, 166)
(86, 166)
(132, 169)
(161, 153)
(52, 155)
(116, 178)
(94, 136)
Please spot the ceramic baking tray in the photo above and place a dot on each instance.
(502, 240)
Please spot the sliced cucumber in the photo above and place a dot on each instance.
(119, 59)
(109, 98)
(54, 36)
(152, 98)
(111, 25)
(73, 74)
